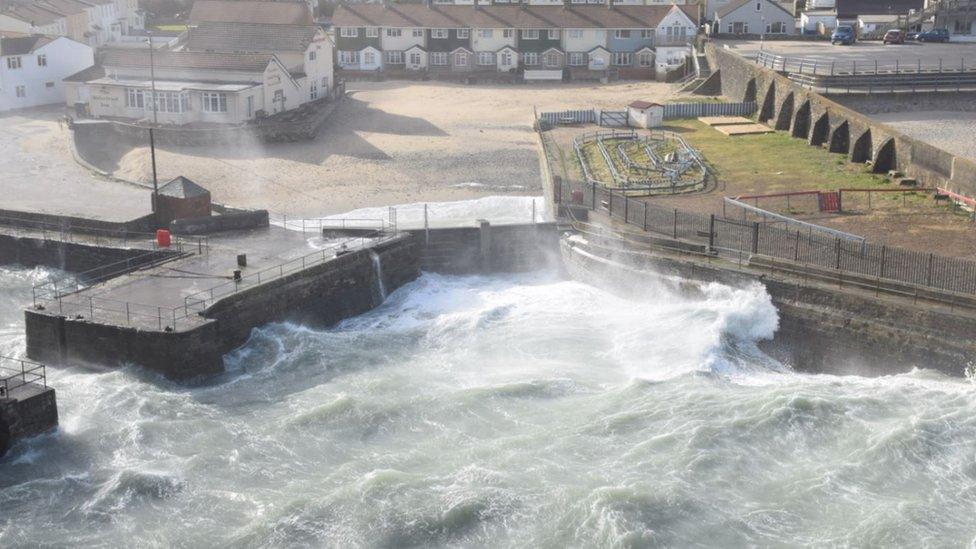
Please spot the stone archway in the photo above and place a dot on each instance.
(861, 151)
(840, 139)
(750, 95)
(821, 131)
(887, 158)
(769, 104)
(785, 115)
(801, 121)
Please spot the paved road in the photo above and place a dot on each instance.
(865, 52)
(38, 174)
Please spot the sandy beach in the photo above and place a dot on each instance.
(392, 143)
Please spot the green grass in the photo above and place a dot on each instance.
(170, 28)
(773, 162)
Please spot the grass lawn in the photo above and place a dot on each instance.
(773, 162)
(170, 28)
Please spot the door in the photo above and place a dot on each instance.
(249, 102)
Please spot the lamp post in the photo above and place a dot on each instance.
(152, 142)
(762, 32)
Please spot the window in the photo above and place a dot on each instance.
(217, 102)
(577, 59)
(621, 58)
(42, 60)
(553, 34)
(134, 99)
(394, 57)
(551, 59)
(21, 91)
(576, 33)
(506, 58)
(166, 101)
(645, 59)
(13, 62)
(418, 33)
(438, 58)
(372, 32)
(531, 59)
(621, 33)
(394, 33)
(530, 34)
(313, 91)
(49, 84)
(486, 58)
(777, 27)
(647, 34)
(348, 32)
(463, 33)
(438, 33)
(349, 57)
(508, 33)
(415, 59)
(485, 33)
(758, 6)
(369, 58)
(311, 56)
(460, 59)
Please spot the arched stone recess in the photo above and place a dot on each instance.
(750, 94)
(862, 149)
(840, 139)
(887, 158)
(801, 121)
(785, 113)
(821, 131)
(769, 104)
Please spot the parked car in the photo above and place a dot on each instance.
(913, 35)
(934, 35)
(844, 34)
(894, 36)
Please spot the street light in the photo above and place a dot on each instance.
(152, 142)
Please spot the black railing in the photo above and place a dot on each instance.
(16, 373)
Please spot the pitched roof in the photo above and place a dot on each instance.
(181, 187)
(502, 16)
(853, 8)
(23, 44)
(252, 62)
(732, 6)
(63, 7)
(93, 72)
(643, 104)
(34, 15)
(250, 37)
(251, 11)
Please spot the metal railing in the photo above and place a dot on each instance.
(16, 372)
(873, 67)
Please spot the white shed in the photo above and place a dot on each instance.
(644, 114)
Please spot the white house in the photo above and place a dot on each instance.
(32, 69)
(818, 20)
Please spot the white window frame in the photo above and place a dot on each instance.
(313, 91)
(216, 102)
(463, 33)
(553, 34)
(439, 34)
(550, 59)
(134, 99)
(42, 60)
(530, 34)
(463, 57)
(576, 33)
(167, 101)
(647, 34)
(619, 34)
(311, 56)
(645, 59)
(394, 32)
(576, 59)
(486, 33)
(758, 6)
(508, 33)
(486, 58)
(347, 57)
(393, 57)
(417, 33)
(622, 59)
(415, 59)
(531, 59)
(372, 32)
(348, 32)
(369, 57)
(20, 91)
(505, 58)
(14, 63)
(49, 84)
(440, 58)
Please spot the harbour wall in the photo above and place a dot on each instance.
(488, 248)
(821, 329)
(825, 123)
(74, 257)
(30, 411)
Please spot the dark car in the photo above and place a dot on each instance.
(894, 36)
(843, 34)
(934, 35)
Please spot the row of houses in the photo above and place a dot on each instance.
(91, 22)
(636, 41)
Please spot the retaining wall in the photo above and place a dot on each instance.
(824, 122)
(488, 248)
(31, 410)
(69, 256)
(229, 221)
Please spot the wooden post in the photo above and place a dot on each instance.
(645, 217)
(675, 232)
(711, 233)
(755, 237)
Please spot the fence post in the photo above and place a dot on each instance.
(711, 233)
(610, 204)
(644, 226)
(593, 192)
(837, 250)
(928, 277)
(675, 233)
(755, 237)
(626, 207)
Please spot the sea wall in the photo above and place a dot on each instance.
(825, 123)
(821, 329)
(70, 256)
(488, 248)
(31, 410)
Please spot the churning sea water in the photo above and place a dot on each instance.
(521, 411)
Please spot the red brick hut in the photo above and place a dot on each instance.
(182, 199)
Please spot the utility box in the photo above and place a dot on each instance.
(180, 199)
(644, 114)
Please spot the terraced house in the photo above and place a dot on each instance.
(546, 41)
